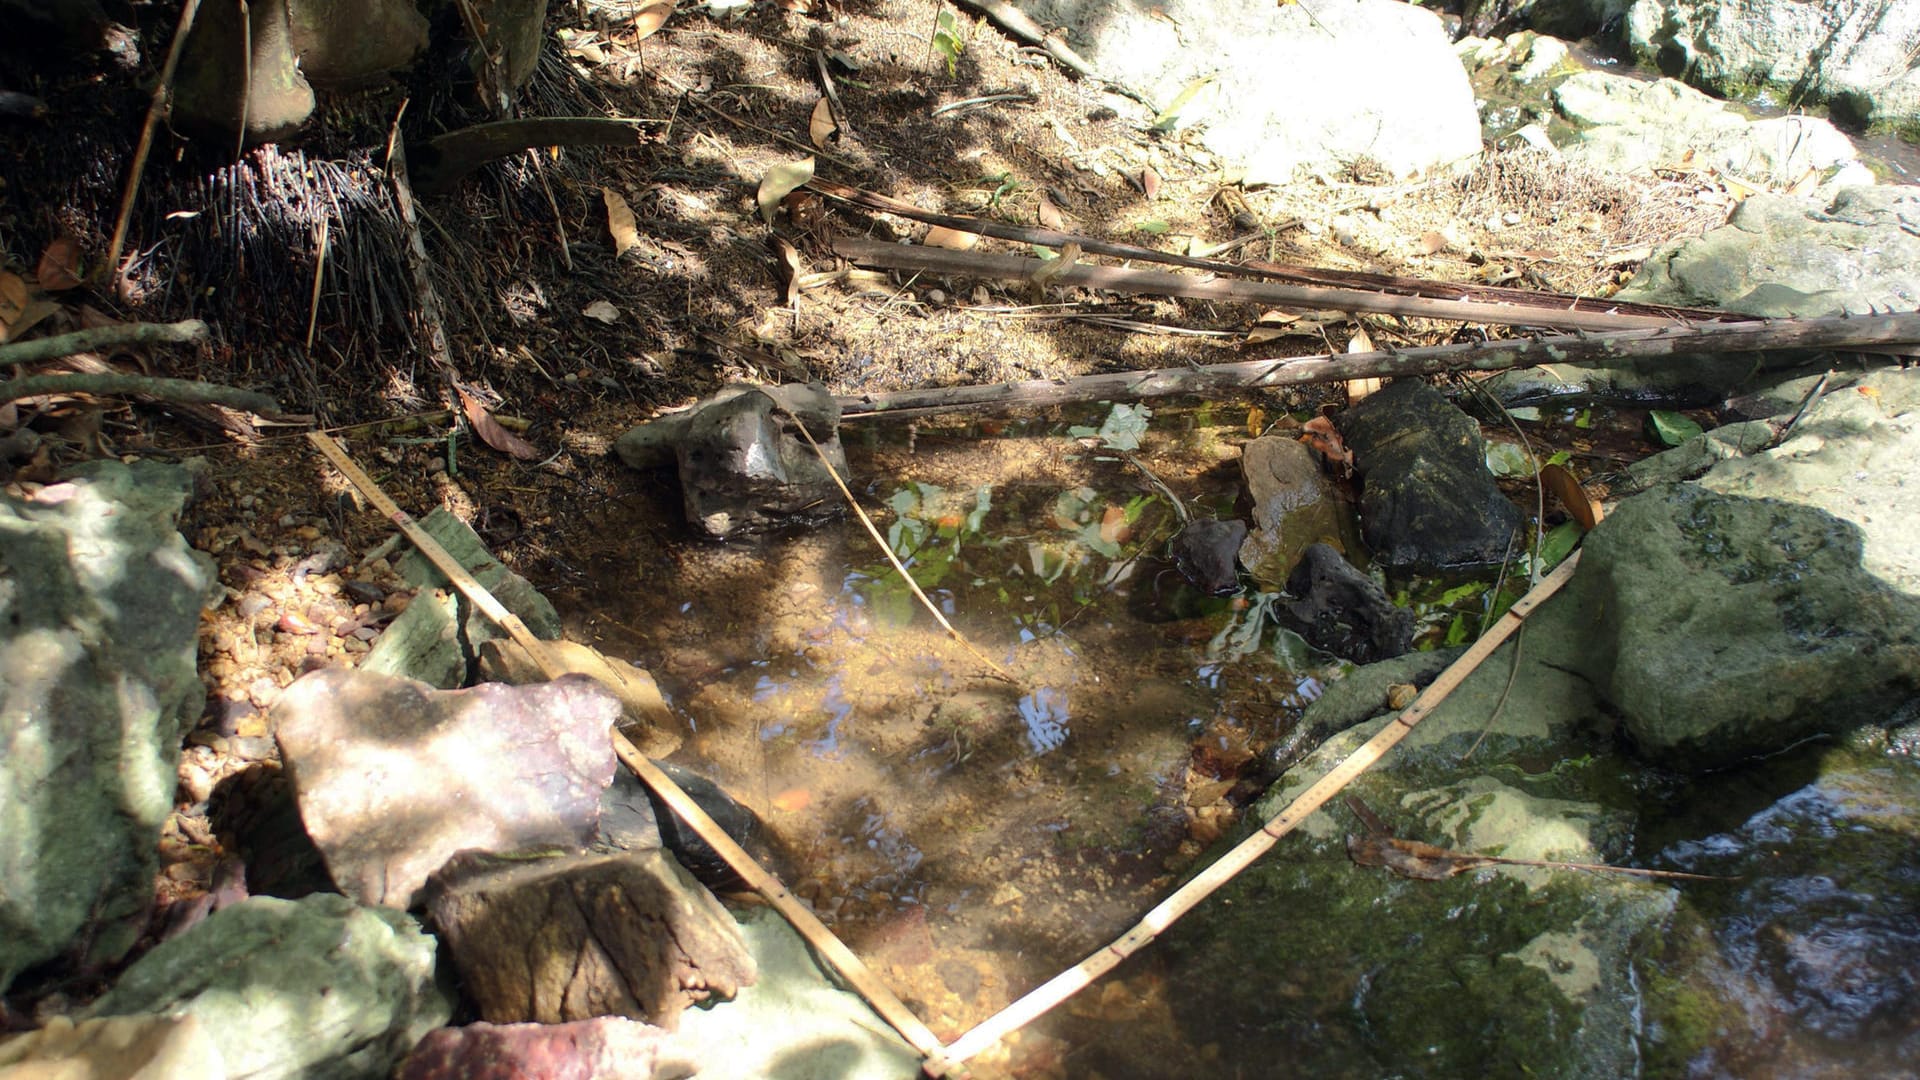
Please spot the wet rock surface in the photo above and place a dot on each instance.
(1207, 551)
(1427, 501)
(1340, 610)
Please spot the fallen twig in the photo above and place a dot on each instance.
(162, 92)
(180, 391)
(1021, 25)
(185, 332)
(1838, 332)
(1168, 911)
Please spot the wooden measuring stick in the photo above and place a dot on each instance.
(1074, 979)
(858, 975)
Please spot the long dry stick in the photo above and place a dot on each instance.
(1298, 275)
(1183, 900)
(887, 550)
(161, 91)
(1839, 332)
(975, 264)
(876, 993)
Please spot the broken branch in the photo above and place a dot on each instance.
(179, 391)
(99, 338)
(1837, 332)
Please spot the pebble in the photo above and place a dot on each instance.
(263, 691)
(255, 748)
(366, 592)
(233, 713)
(355, 645)
(253, 604)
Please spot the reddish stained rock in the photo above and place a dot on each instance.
(392, 776)
(604, 1048)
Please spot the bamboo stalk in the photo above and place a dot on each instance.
(1852, 332)
(1168, 911)
(857, 974)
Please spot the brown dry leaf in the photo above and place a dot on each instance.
(798, 7)
(1582, 506)
(1432, 242)
(621, 224)
(651, 17)
(60, 265)
(603, 311)
(1256, 421)
(492, 433)
(1113, 524)
(1320, 434)
(952, 239)
(1050, 215)
(1401, 695)
(786, 268)
(781, 181)
(1272, 325)
(1361, 342)
(1150, 183)
(13, 297)
(822, 126)
(1411, 858)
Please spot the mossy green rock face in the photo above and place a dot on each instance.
(100, 598)
(314, 988)
(1344, 970)
(1725, 627)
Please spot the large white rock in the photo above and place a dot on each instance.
(1370, 79)
(1857, 53)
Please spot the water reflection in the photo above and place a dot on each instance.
(1045, 713)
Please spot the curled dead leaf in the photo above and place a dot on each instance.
(651, 17)
(1581, 506)
(781, 181)
(603, 311)
(1050, 215)
(59, 268)
(621, 224)
(491, 432)
(1319, 434)
(822, 126)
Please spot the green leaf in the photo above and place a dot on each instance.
(947, 42)
(1558, 544)
(1525, 412)
(1461, 592)
(982, 502)
(1584, 420)
(1170, 116)
(1670, 428)
(1560, 457)
(1456, 632)
(1154, 227)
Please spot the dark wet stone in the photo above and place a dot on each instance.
(1293, 506)
(734, 819)
(1207, 551)
(1428, 501)
(1343, 611)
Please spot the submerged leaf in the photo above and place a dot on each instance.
(1670, 428)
